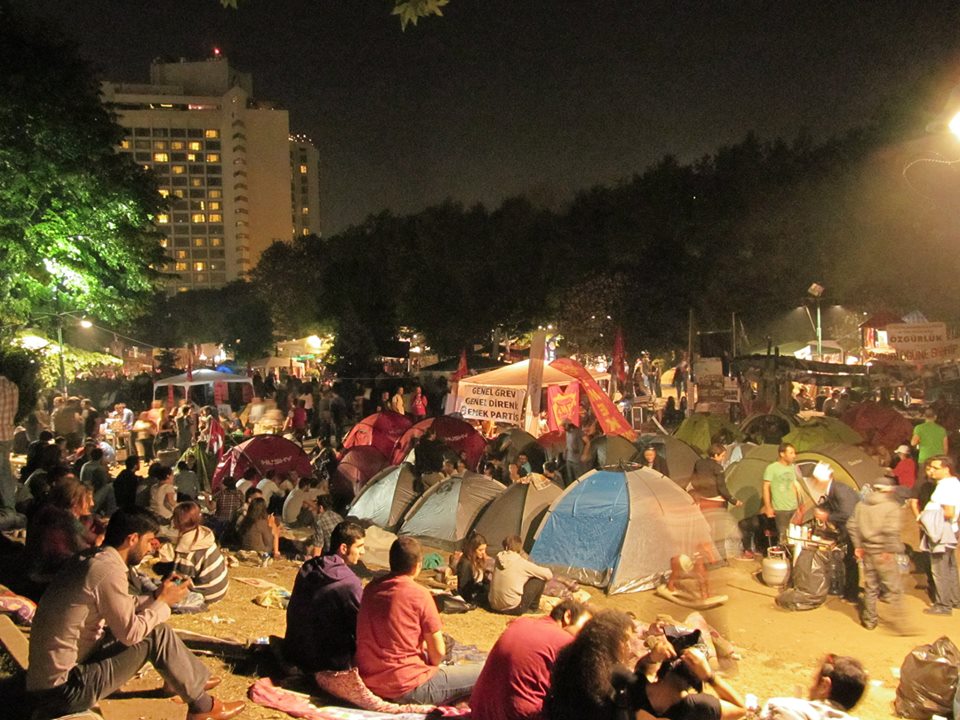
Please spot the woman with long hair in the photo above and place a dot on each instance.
(259, 530)
(196, 555)
(581, 686)
(472, 582)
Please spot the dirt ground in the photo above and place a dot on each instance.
(779, 648)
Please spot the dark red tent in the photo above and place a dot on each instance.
(553, 443)
(879, 424)
(358, 464)
(381, 430)
(262, 452)
(456, 434)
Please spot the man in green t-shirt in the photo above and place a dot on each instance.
(929, 437)
(781, 491)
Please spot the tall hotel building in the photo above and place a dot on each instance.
(224, 161)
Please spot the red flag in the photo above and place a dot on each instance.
(619, 360)
(461, 367)
(611, 419)
(217, 438)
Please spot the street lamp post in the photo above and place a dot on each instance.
(63, 369)
(816, 291)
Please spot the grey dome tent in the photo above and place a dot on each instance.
(618, 528)
(614, 449)
(518, 511)
(680, 457)
(385, 499)
(444, 514)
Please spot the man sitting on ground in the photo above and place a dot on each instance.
(74, 662)
(324, 523)
(397, 619)
(516, 677)
(837, 688)
(322, 614)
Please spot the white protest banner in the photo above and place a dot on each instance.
(922, 343)
(490, 402)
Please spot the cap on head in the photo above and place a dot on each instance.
(903, 450)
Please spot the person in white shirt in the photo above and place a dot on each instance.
(943, 565)
(300, 508)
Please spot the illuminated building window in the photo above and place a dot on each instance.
(213, 157)
(182, 254)
(163, 219)
(196, 182)
(216, 217)
(124, 144)
(216, 242)
(198, 218)
(161, 157)
(178, 169)
(191, 157)
(199, 242)
(178, 193)
(305, 231)
(215, 194)
(163, 242)
(176, 144)
(199, 266)
(164, 192)
(305, 211)
(211, 134)
(214, 205)
(303, 169)
(180, 267)
(194, 145)
(159, 145)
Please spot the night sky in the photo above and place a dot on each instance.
(502, 97)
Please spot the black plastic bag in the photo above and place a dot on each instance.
(810, 582)
(928, 680)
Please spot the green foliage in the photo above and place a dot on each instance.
(412, 10)
(75, 230)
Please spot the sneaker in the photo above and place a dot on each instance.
(937, 610)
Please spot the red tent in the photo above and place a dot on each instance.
(262, 452)
(381, 430)
(879, 424)
(357, 465)
(456, 434)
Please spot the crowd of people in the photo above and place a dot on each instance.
(383, 645)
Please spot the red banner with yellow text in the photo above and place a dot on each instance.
(563, 405)
(610, 419)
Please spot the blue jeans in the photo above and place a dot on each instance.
(450, 683)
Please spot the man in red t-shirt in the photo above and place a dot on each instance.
(906, 468)
(516, 676)
(398, 620)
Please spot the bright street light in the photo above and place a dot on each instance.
(954, 125)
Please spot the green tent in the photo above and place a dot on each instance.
(844, 433)
(701, 429)
(745, 479)
(816, 433)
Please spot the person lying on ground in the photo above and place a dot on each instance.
(838, 686)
